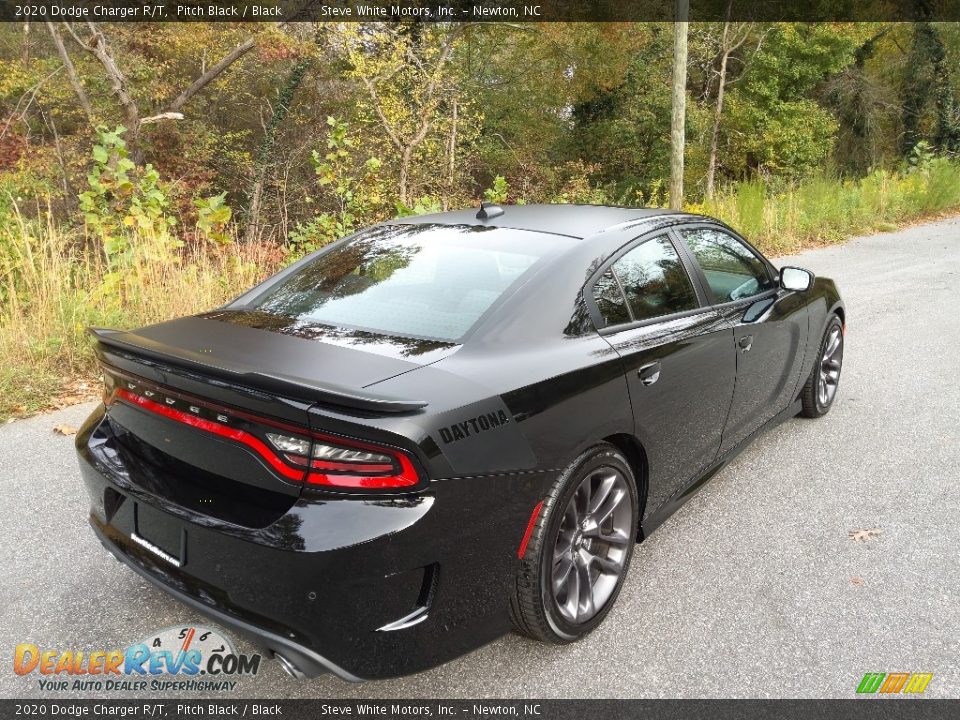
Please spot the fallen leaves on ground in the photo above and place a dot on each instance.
(65, 429)
(856, 581)
(75, 391)
(864, 535)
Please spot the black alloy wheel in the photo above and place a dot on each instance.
(580, 549)
(820, 390)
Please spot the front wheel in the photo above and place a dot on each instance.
(821, 387)
(580, 549)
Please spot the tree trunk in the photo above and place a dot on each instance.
(253, 215)
(98, 47)
(280, 109)
(452, 149)
(25, 47)
(71, 72)
(69, 194)
(118, 81)
(679, 105)
(717, 113)
(404, 178)
(427, 106)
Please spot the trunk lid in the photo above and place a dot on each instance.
(202, 392)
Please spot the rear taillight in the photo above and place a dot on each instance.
(333, 461)
(295, 453)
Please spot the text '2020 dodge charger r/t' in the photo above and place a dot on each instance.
(445, 426)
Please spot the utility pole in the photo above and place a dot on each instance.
(679, 103)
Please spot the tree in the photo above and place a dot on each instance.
(927, 82)
(775, 122)
(587, 96)
(861, 102)
(280, 109)
(404, 71)
(734, 35)
(586, 112)
(679, 104)
(97, 45)
(71, 71)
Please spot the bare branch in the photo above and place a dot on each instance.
(378, 109)
(98, 47)
(212, 74)
(738, 41)
(32, 92)
(69, 194)
(76, 38)
(161, 116)
(746, 63)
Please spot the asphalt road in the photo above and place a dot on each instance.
(753, 589)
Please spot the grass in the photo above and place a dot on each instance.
(821, 211)
(54, 283)
(53, 288)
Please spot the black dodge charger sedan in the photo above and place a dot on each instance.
(443, 427)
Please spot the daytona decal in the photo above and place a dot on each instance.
(472, 426)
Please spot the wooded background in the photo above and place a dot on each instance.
(429, 115)
(152, 170)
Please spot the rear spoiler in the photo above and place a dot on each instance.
(285, 385)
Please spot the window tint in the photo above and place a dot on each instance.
(654, 283)
(428, 281)
(732, 270)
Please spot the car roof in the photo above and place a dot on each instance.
(578, 221)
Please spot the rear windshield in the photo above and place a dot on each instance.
(425, 281)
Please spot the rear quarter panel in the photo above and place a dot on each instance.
(530, 410)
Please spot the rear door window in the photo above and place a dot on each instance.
(647, 282)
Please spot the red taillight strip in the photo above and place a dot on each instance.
(341, 467)
(350, 467)
(407, 476)
(529, 531)
(209, 426)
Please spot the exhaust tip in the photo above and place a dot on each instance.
(288, 667)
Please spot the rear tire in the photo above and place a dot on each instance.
(580, 549)
(821, 387)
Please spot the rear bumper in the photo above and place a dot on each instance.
(364, 588)
(303, 658)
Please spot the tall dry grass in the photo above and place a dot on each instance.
(823, 210)
(54, 284)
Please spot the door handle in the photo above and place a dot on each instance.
(649, 373)
(745, 343)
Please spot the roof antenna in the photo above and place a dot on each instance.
(489, 210)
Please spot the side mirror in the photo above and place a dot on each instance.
(797, 279)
